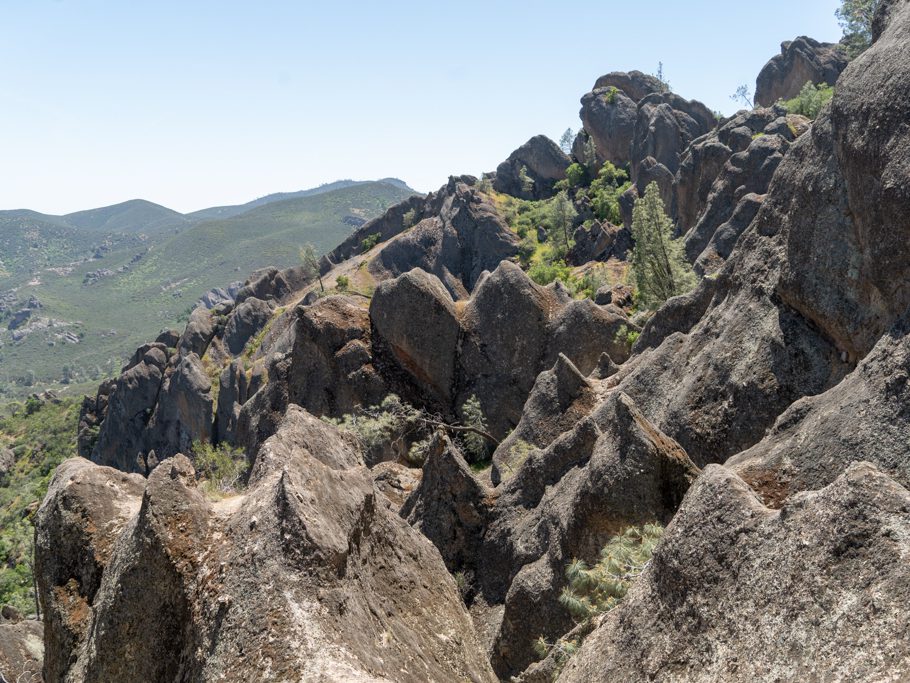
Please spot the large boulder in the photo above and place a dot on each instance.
(197, 335)
(543, 162)
(184, 412)
(800, 61)
(308, 575)
(415, 322)
(634, 84)
(121, 437)
(514, 329)
(608, 116)
(739, 592)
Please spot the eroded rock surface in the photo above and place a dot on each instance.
(738, 592)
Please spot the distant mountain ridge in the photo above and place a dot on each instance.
(79, 291)
(235, 209)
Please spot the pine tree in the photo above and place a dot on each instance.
(658, 266)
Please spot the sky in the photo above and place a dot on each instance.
(201, 103)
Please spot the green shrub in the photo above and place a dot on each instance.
(342, 282)
(369, 242)
(409, 218)
(545, 273)
(379, 425)
(810, 100)
(221, 467)
(526, 249)
(626, 336)
(592, 280)
(527, 182)
(599, 588)
(610, 95)
(476, 446)
(605, 191)
(576, 175)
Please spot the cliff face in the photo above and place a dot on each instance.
(759, 416)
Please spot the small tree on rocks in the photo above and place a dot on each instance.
(659, 267)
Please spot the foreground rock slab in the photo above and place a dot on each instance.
(310, 575)
(736, 591)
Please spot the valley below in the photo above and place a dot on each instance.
(634, 406)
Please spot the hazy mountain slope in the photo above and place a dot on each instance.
(134, 216)
(94, 311)
(218, 212)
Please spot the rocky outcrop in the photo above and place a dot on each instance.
(729, 572)
(198, 334)
(747, 173)
(560, 398)
(634, 84)
(818, 437)
(462, 236)
(800, 61)
(271, 284)
(247, 319)
(515, 329)
(84, 510)
(127, 410)
(183, 414)
(544, 164)
(611, 470)
(308, 575)
(450, 507)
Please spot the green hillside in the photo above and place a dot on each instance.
(134, 216)
(96, 311)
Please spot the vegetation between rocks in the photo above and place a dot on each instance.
(595, 590)
(34, 439)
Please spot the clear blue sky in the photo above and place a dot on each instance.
(197, 103)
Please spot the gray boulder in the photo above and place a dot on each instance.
(127, 409)
(183, 414)
(416, 326)
(198, 333)
(608, 116)
(634, 84)
(246, 320)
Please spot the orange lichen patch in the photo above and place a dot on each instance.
(769, 485)
(75, 609)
